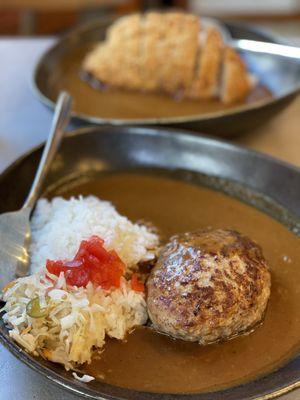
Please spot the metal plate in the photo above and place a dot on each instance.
(281, 76)
(269, 185)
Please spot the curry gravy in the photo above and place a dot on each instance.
(122, 104)
(152, 362)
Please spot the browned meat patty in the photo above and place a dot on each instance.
(208, 285)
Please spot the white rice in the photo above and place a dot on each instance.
(58, 227)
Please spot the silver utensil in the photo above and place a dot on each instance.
(14, 226)
(266, 48)
(253, 46)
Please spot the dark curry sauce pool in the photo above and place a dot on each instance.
(149, 361)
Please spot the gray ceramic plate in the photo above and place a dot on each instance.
(275, 189)
(59, 68)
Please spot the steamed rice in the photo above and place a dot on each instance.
(58, 227)
(77, 319)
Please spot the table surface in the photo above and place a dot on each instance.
(24, 123)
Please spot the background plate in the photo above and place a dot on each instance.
(280, 75)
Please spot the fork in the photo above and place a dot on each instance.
(15, 226)
(254, 46)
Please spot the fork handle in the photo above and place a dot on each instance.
(268, 48)
(59, 123)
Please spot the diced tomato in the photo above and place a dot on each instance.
(77, 276)
(54, 267)
(92, 262)
(81, 251)
(95, 246)
(136, 284)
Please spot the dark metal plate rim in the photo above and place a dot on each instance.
(155, 121)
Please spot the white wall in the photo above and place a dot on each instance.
(244, 7)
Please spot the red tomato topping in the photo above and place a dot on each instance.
(91, 263)
(136, 284)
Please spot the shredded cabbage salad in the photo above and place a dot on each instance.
(65, 323)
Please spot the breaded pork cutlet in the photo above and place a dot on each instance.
(164, 53)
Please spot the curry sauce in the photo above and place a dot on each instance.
(150, 361)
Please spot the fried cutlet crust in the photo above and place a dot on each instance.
(161, 52)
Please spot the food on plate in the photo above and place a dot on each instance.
(63, 323)
(88, 284)
(83, 286)
(59, 226)
(208, 285)
(172, 53)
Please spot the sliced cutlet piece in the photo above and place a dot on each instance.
(170, 48)
(117, 61)
(100, 65)
(91, 60)
(154, 34)
(236, 83)
(208, 68)
(179, 51)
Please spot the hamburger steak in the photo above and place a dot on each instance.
(208, 285)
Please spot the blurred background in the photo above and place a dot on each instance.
(51, 17)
